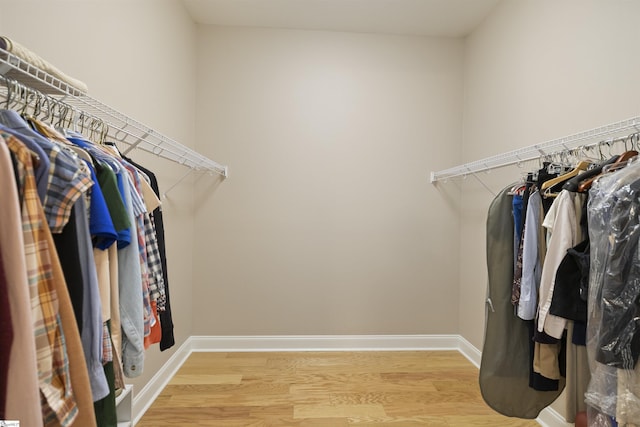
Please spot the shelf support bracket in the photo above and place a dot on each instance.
(135, 144)
(164, 195)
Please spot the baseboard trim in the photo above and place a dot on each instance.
(469, 351)
(145, 398)
(325, 343)
(549, 417)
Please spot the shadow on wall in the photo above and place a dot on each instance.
(205, 186)
(450, 192)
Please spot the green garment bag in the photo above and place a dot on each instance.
(505, 366)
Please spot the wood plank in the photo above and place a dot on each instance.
(325, 389)
(337, 411)
(206, 379)
(487, 421)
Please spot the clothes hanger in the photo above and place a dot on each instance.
(581, 166)
(583, 181)
(112, 149)
(63, 111)
(92, 129)
(9, 85)
(104, 134)
(48, 109)
(517, 189)
(575, 183)
(620, 162)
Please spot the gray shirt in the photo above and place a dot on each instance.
(91, 334)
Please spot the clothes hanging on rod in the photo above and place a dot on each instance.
(90, 265)
(23, 403)
(614, 295)
(166, 322)
(582, 243)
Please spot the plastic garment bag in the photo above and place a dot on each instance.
(506, 362)
(613, 333)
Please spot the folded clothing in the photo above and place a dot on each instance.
(35, 60)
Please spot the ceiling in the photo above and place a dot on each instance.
(443, 18)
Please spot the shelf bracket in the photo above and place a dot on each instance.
(164, 195)
(135, 144)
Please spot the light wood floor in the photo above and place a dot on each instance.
(325, 389)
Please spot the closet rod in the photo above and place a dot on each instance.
(536, 151)
(122, 129)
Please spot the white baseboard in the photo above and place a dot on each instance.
(549, 417)
(143, 400)
(325, 343)
(469, 351)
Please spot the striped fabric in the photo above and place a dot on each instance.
(58, 403)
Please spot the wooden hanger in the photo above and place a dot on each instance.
(574, 183)
(581, 166)
(623, 158)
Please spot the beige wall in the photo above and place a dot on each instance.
(138, 57)
(328, 223)
(537, 70)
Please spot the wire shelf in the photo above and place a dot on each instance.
(536, 151)
(122, 128)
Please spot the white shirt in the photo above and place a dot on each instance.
(563, 226)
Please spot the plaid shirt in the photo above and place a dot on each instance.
(154, 262)
(107, 348)
(66, 183)
(58, 403)
(156, 279)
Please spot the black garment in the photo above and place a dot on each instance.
(579, 333)
(525, 198)
(544, 176)
(543, 338)
(619, 341)
(572, 282)
(67, 248)
(166, 321)
(506, 362)
(16, 176)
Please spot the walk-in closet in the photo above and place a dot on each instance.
(319, 213)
